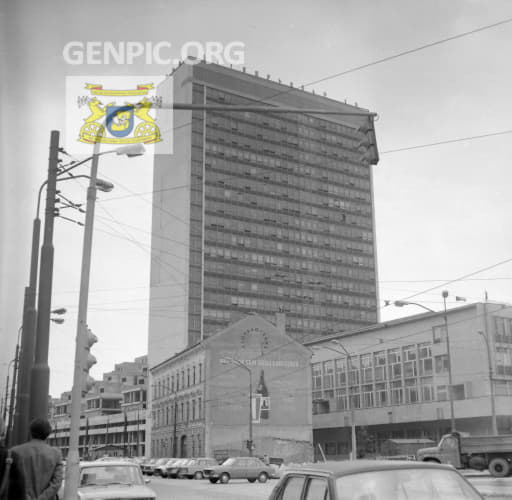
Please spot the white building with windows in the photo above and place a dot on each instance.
(394, 377)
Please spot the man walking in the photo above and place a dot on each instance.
(42, 463)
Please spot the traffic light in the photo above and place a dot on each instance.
(88, 361)
(249, 444)
(366, 146)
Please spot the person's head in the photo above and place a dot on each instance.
(40, 428)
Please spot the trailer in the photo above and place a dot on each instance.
(472, 452)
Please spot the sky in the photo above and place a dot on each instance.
(442, 212)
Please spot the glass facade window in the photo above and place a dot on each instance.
(441, 363)
(340, 370)
(439, 334)
(328, 378)
(316, 369)
(395, 363)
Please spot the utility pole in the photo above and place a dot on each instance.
(485, 335)
(40, 382)
(450, 380)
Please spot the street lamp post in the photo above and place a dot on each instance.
(494, 422)
(226, 361)
(450, 380)
(72, 469)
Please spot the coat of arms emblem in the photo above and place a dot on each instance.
(128, 122)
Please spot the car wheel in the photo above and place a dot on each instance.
(213, 480)
(263, 477)
(224, 478)
(198, 475)
(499, 467)
(252, 480)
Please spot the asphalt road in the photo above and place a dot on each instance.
(174, 489)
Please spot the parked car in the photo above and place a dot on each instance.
(160, 468)
(102, 480)
(374, 480)
(250, 468)
(195, 468)
(166, 467)
(147, 465)
(152, 466)
(174, 470)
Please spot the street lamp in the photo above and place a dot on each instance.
(494, 422)
(353, 455)
(402, 303)
(72, 469)
(227, 361)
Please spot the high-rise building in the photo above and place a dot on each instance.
(260, 211)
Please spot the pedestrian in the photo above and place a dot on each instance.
(42, 463)
(12, 481)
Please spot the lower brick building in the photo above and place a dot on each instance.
(200, 397)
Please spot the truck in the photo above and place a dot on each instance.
(472, 452)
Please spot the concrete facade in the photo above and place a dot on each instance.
(211, 416)
(398, 378)
(259, 212)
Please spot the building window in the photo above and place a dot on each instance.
(425, 359)
(199, 408)
(200, 372)
(410, 369)
(411, 391)
(441, 363)
(439, 334)
(194, 375)
(396, 392)
(442, 393)
(427, 388)
(379, 362)
(366, 368)
(316, 369)
(395, 363)
(328, 374)
(355, 398)
(367, 396)
(381, 396)
(188, 377)
(458, 392)
(341, 399)
(340, 372)
(193, 409)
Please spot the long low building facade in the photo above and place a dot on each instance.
(393, 378)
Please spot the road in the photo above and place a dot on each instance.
(172, 489)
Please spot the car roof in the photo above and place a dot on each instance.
(353, 466)
(107, 463)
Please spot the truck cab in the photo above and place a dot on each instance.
(446, 452)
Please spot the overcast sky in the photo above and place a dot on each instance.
(442, 212)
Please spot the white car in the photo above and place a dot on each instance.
(112, 480)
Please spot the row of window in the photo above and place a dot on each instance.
(257, 257)
(291, 144)
(180, 379)
(388, 393)
(389, 364)
(186, 445)
(283, 199)
(269, 234)
(291, 179)
(249, 270)
(177, 412)
(277, 122)
(260, 228)
(265, 284)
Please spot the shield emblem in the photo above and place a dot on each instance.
(120, 120)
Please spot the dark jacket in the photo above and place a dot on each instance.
(16, 488)
(42, 467)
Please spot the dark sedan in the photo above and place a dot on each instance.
(374, 480)
(249, 468)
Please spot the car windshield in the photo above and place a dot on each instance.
(405, 484)
(110, 474)
(229, 461)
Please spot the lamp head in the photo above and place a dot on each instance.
(445, 294)
(104, 186)
(131, 150)
(59, 321)
(400, 303)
